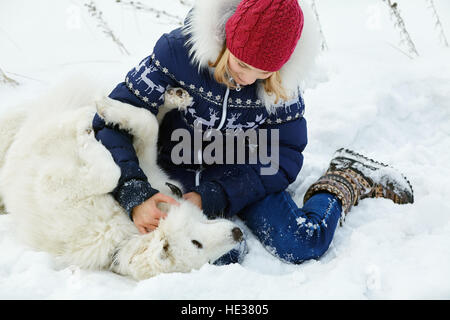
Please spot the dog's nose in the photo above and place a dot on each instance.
(237, 234)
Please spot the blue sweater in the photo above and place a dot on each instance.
(225, 188)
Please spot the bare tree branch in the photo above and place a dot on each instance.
(98, 15)
(316, 14)
(159, 13)
(399, 50)
(7, 80)
(400, 24)
(187, 3)
(438, 23)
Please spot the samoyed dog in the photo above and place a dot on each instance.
(56, 179)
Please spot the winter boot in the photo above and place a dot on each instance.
(352, 177)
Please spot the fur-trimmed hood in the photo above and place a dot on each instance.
(205, 29)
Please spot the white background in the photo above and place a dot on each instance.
(366, 95)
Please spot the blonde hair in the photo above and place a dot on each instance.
(272, 85)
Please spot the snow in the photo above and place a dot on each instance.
(367, 95)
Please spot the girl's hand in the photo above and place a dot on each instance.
(146, 216)
(194, 197)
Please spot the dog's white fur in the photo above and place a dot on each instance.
(55, 179)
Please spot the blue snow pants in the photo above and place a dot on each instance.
(290, 233)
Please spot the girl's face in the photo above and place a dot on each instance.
(245, 74)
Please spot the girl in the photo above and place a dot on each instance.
(242, 62)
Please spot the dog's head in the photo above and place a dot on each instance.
(189, 239)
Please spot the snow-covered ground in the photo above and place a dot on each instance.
(367, 95)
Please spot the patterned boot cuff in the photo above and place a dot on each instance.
(335, 185)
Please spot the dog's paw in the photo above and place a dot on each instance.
(177, 98)
(112, 111)
(106, 107)
(102, 106)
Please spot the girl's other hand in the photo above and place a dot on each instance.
(194, 197)
(147, 215)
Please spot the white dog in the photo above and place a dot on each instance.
(56, 179)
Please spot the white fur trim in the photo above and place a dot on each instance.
(207, 34)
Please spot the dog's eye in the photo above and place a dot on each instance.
(197, 244)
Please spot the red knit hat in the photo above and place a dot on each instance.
(264, 33)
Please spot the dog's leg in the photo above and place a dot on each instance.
(82, 167)
(141, 123)
(98, 167)
(143, 126)
(174, 98)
